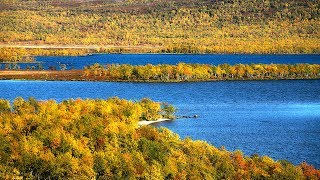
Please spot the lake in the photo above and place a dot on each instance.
(280, 119)
(78, 62)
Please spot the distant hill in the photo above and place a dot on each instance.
(187, 26)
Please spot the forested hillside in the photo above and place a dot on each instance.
(187, 26)
(100, 139)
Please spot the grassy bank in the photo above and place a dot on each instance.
(70, 75)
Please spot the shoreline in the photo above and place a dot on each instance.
(144, 123)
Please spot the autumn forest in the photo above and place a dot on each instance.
(101, 138)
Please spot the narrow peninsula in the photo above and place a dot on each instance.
(181, 72)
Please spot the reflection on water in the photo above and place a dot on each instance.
(280, 119)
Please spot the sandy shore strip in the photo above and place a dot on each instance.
(143, 123)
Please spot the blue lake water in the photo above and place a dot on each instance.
(79, 62)
(280, 119)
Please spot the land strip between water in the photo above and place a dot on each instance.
(181, 72)
(78, 75)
